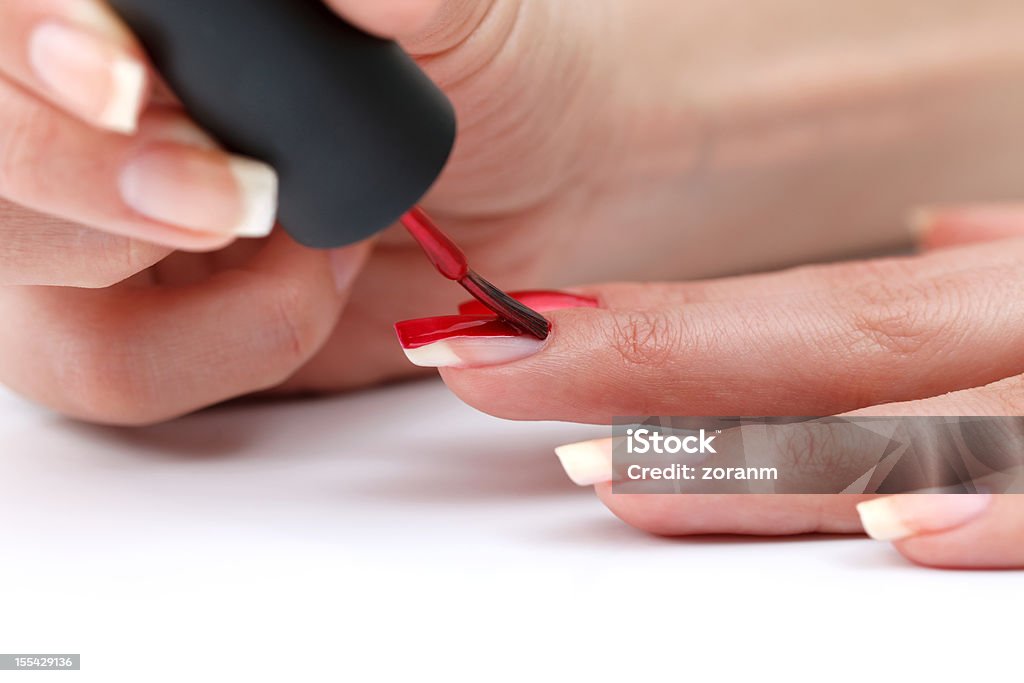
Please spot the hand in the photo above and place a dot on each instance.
(936, 334)
(103, 324)
(584, 126)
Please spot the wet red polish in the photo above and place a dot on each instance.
(539, 300)
(414, 334)
(449, 260)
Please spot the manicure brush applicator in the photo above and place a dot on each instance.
(355, 130)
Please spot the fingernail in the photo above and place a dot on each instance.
(202, 190)
(587, 463)
(920, 222)
(346, 265)
(899, 517)
(92, 77)
(540, 301)
(464, 342)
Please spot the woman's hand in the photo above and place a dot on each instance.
(937, 334)
(598, 140)
(103, 324)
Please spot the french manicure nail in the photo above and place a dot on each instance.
(464, 342)
(899, 517)
(540, 301)
(92, 77)
(202, 190)
(587, 463)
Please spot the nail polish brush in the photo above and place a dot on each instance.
(357, 132)
(451, 262)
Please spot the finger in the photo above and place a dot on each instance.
(802, 280)
(771, 285)
(589, 464)
(168, 184)
(977, 531)
(951, 227)
(135, 355)
(956, 531)
(40, 250)
(824, 352)
(754, 515)
(77, 55)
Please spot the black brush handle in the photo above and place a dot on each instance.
(356, 131)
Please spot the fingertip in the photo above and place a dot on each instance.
(938, 228)
(199, 190)
(966, 531)
(920, 222)
(90, 76)
(102, 19)
(588, 463)
(495, 392)
(657, 515)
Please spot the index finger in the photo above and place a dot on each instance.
(823, 352)
(77, 55)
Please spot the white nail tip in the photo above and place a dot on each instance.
(258, 185)
(881, 522)
(473, 352)
(588, 463)
(97, 15)
(128, 88)
(437, 355)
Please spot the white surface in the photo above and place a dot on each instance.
(400, 536)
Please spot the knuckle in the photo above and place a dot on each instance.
(903, 317)
(299, 324)
(645, 338)
(818, 452)
(804, 448)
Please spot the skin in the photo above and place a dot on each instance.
(649, 352)
(576, 119)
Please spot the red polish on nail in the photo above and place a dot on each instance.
(451, 262)
(540, 301)
(414, 334)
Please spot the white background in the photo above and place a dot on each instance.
(400, 536)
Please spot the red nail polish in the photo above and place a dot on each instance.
(540, 301)
(449, 260)
(414, 334)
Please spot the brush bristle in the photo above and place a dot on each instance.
(506, 307)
